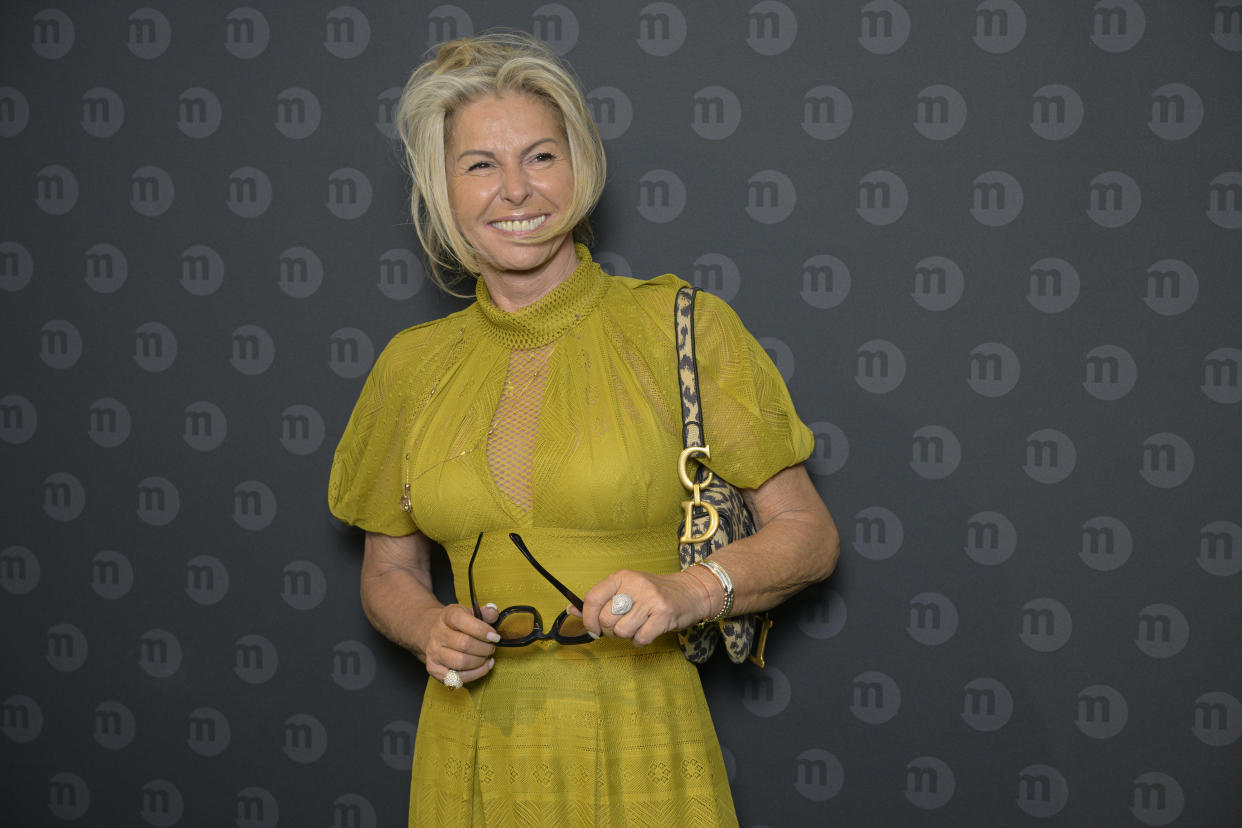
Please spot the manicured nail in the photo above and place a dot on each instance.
(493, 606)
(593, 635)
(491, 662)
(493, 636)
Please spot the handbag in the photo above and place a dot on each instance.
(715, 515)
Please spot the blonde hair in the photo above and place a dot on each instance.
(493, 63)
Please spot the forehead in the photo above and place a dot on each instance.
(493, 118)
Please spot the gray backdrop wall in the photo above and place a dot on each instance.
(993, 246)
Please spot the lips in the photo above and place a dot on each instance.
(519, 225)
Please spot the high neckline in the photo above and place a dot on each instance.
(549, 316)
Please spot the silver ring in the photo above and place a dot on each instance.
(451, 680)
(621, 604)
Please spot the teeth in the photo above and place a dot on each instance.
(519, 226)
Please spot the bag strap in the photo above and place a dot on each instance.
(692, 432)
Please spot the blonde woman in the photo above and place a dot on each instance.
(534, 435)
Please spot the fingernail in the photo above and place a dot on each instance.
(593, 635)
(491, 662)
(493, 636)
(493, 606)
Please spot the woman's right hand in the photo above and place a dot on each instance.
(458, 641)
(399, 602)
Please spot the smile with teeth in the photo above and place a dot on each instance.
(519, 226)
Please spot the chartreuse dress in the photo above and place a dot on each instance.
(561, 421)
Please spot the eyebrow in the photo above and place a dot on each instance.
(488, 154)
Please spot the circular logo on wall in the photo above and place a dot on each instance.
(990, 538)
(987, 706)
(1042, 791)
(255, 659)
(306, 739)
(1102, 711)
(206, 580)
(114, 725)
(158, 501)
(353, 665)
(257, 808)
(112, 575)
(150, 33)
(70, 799)
(766, 693)
(300, 272)
(1045, 625)
(304, 585)
(878, 533)
(108, 422)
(162, 804)
(827, 112)
(1106, 543)
(822, 616)
(825, 281)
(159, 653)
(246, 33)
(254, 505)
(611, 110)
(66, 647)
(661, 29)
(661, 196)
(1217, 719)
(19, 570)
(397, 745)
(929, 783)
(348, 32)
(818, 775)
(874, 697)
(60, 344)
(53, 34)
(18, 419)
(106, 268)
(1157, 799)
(23, 719)
(556, 26)
(209, 732)
(1162, 631)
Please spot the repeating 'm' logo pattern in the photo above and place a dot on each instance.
(1001, 289)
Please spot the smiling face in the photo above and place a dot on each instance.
(508, 170)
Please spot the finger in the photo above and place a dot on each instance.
(595, 602)
(457, 617)
(490, 613)
(440, 672)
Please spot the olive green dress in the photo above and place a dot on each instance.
(561, 421)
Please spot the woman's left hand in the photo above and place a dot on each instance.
(661, 603)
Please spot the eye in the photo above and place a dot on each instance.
(478, 165)
(544, 157)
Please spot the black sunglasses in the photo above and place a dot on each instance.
(520, 624)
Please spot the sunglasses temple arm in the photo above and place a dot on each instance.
(474, 602)
(561, 588)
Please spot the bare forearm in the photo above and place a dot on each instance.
(396, 591)
(795, 544)
(783, 558)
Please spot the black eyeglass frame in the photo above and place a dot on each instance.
(536, 633)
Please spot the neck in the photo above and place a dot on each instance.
(514, 290)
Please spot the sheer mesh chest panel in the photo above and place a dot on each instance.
(515, 425)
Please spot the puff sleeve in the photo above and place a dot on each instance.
(365, 486)
(749, 419)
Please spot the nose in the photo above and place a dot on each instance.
(514, 186)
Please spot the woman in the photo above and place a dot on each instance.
(550, 408)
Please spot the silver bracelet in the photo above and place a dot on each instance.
(726, 583)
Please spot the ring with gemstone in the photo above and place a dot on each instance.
(621, 604)
(451, 680)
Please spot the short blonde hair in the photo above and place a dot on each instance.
(493, 63)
